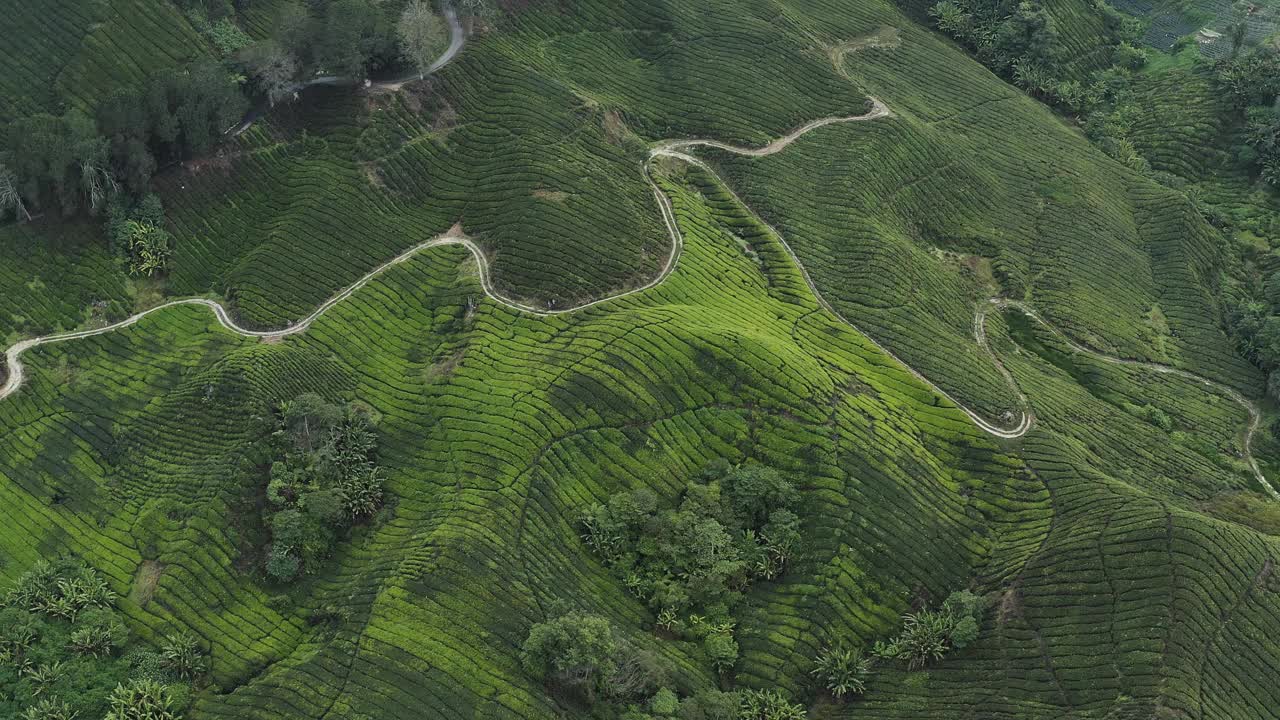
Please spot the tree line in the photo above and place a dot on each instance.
(1252, 85)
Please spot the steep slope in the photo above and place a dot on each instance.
(1117, 593)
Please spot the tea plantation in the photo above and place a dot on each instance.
(826, 331)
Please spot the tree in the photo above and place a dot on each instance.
(664, 702)
(308, 418)
(91, 161)
(10, 196)
(768, 705)
(756, 490)
(928, 635)
(123, 119)
(780, 536)
(477, 8)
(842, 671)
(1238, 26)
(296, 31)
(1270, 172)
(323, 478)
(49, 709)
(148, 246)
(98, 633)
(953, 20)
(577, 650)
(1028, 34)
(273, 68)
(721, 650)
(58, 160)
(352, 37)
(417, 31)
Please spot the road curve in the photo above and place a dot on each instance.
(676, 149)
(1255, 414)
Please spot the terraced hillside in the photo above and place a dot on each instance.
(1124, 579)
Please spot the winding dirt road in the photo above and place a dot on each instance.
(1255, 414)
(676, 149)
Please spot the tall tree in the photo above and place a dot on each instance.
(417, 31)
(477, 8)
(59, 160)
(273, 68)
(10, 197)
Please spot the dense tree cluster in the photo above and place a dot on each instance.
(1009, 36)
(1254, 324)
(418, 31)
(692, 563)
(63, 653)
(55, 161)
(74, 163)
(324, 478)
(340, 38)
(585, 655)
(174, 115)
(1252, 83)
(1019, 41)
(930, 634)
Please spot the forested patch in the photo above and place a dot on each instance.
(692, 563)
(323, 478)
(66, 653)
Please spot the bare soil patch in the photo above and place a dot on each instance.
(145, 581)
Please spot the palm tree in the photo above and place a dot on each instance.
(842, 671)
(141, 700)
(181, 655)
(44, 675)
(49, 709)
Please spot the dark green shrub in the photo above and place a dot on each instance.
(664, 703)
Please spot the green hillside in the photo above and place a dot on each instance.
(1123, 547)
